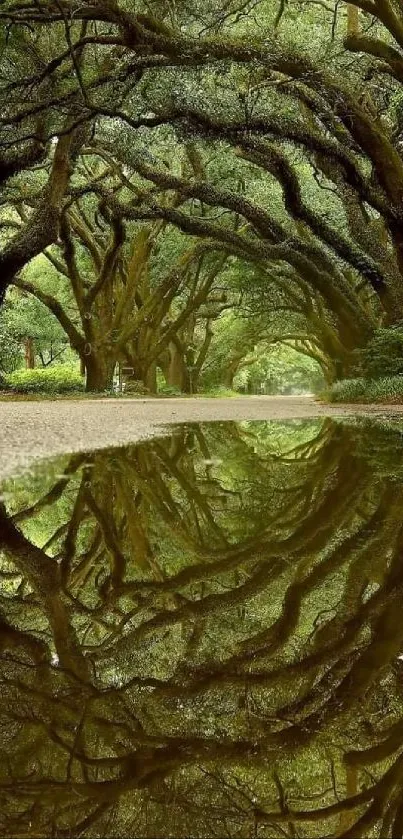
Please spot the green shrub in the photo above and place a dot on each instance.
(347, 390)
(220, 392)
(62, 378)
(383, 355)
(168, 390)
(136, 387)
(385, 389)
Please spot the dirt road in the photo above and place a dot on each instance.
(34, 430)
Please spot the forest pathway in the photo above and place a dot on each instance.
(34, 430)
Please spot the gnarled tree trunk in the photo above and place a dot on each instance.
(177, 373)
(230, 372)
(99, 373)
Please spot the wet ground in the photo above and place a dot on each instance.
(32, 430)
(202, 635)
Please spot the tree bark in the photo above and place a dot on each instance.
(99, 374)
(177, 374)
(230, 372)
(353, 22)
(29, 354)
(150, 378)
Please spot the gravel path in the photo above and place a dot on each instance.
(34, 430)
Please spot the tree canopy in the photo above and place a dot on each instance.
(268, 136)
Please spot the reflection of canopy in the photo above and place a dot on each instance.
(201, 637)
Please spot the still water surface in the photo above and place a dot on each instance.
(202, 636)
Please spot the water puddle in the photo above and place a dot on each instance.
(202, 636)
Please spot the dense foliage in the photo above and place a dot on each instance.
(176, 163)
(383, 355)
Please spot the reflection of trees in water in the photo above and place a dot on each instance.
(201, 637)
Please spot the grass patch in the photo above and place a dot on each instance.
(388, 389)
(219, 393)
